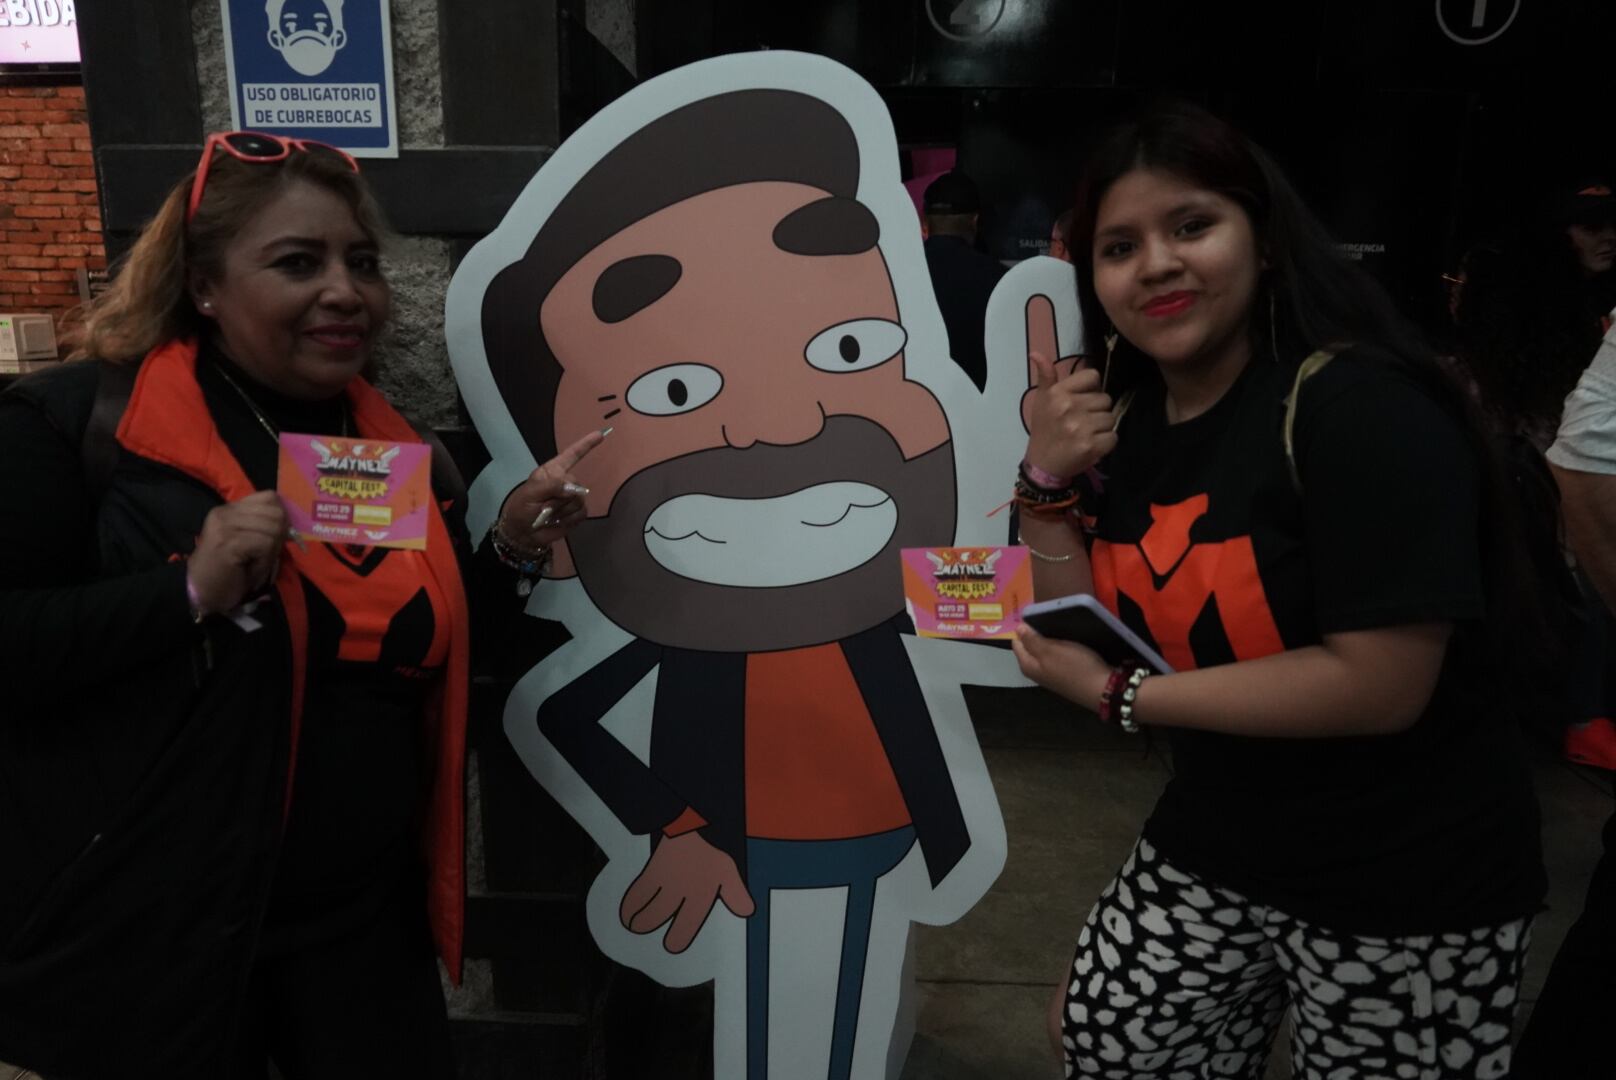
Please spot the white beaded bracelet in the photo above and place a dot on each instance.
(1130, 691)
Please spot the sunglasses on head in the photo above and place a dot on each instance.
(255, 148)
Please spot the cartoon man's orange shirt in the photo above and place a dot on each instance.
(815, 766)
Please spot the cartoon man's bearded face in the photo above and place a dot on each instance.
(769, 458)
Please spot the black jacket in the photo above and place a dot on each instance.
(144, 761)
(111, 779)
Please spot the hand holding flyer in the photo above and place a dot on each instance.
(356, 491)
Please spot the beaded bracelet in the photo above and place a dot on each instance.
(1028, 492)
(1041, 492)
(1037, 501)
(1129, 692)
(528, 565)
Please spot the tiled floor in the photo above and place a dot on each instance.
(1074, 795)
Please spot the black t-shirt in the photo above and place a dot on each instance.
(1204, 546)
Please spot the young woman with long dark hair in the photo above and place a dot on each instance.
(1350, 835)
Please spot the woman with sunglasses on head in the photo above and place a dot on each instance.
(1349, 836)
(233, 756)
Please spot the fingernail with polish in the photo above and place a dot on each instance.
(544, 517)
(606, 431)
(574, 489)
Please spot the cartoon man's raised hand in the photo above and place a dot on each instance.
(551, 494)
(1070, 420)
(685, 877)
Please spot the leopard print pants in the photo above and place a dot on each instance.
(1179, 979)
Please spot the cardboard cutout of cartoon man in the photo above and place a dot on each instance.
(723, 268)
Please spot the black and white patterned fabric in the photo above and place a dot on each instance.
(1178, 979)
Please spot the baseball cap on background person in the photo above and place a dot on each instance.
(1588, 216)
(1586, 203)
(952, 193)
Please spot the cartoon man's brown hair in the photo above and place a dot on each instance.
(742, 137)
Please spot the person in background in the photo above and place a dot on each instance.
(962, 277)
(1350, 838)
(1529, 310)
(1591, 227)
(232, 757)
(1568, 1034)
(1057, 237)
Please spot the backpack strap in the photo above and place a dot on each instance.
(1305, 371)
(99, 449)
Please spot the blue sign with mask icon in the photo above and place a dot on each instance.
(313, 69)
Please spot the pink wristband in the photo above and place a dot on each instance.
(1106, 712)
(1046, 480)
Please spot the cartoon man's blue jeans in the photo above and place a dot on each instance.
(857, 865)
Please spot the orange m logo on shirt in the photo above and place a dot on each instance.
(1191, 576)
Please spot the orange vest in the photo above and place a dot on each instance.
(167, 421)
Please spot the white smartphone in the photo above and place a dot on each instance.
(1083, 619)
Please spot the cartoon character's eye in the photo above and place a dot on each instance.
(677, 388)
(856, 345)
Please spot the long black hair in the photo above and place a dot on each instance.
(1318, 299)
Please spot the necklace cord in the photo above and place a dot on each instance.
(258, 414)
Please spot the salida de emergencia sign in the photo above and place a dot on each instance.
(313, 69)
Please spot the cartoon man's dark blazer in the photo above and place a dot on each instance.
(724, 268)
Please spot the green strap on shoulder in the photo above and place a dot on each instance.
(1122, 408)
(1308, 368)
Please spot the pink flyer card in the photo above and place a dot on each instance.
(356, 491)
(973, 592)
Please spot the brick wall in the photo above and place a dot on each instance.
(50, 216)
